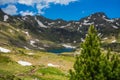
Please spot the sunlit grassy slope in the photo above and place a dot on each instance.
(10, 69)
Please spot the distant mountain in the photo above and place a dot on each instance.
(38, 32)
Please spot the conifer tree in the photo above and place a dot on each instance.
(91, 64)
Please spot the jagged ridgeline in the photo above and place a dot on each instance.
(38, 32)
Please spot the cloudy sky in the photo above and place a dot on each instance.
(65, 9)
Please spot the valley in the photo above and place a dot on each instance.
(38, 48)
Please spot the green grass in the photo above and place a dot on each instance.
(51, 73)
(10, 68)
(50, 70)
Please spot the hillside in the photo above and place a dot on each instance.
(38, 32)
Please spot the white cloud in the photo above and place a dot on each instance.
(31, 2)
(10, 9)
(26, 2)
(45, 4)
(24, 13)
(40, 5)
(62, 2)
(2, 2)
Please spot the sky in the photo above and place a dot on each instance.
(63, 9)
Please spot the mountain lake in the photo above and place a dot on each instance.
(61, 50)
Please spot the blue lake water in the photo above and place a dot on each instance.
(58, 51)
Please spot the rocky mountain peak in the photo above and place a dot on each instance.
(57, 31)
(99, 14)
(1, 15)
(1, 12)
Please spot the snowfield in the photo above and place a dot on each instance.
(30, 53)
(27, 33)
(26, 48)
(32, 43)
(40, 23)
(115, 27)
(105, 38)
(52, 65)
(68, 46)
(4, 50)
(113, 41)
(24, 63)
(5, 17)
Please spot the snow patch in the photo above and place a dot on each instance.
(89, 17)
(101, 24)
(82, 40)
(52, 65)
(62, 26)
(59, 21)
(24, 18)
(10, 30)
(77, 22)
(5, 17)
(103, 16)
(80, 31)
(51, 23)
(99, 15)
(99, 34)
(27, 33)
(39, 31)
(115, 27)
(117, 23)
(46, 22)
(113, 41)
(109, 20)
(94, 18)
(30, 53)
(68, 46)
(85, 21)
(37, 40)
(24, 63)
(68, 24)
(74, 41)
(88, 23)
(4, 50)
(96, 25)
(26, 48)
(105, 38)
(32, 43)
(18, 30)
(40, 23)
(45, 45)
(41, 48)
(78, 28)
(80, 25)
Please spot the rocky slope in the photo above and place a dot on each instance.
(38, 32)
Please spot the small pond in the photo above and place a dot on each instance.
(61, 50)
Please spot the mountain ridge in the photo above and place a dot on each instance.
(35, 30)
